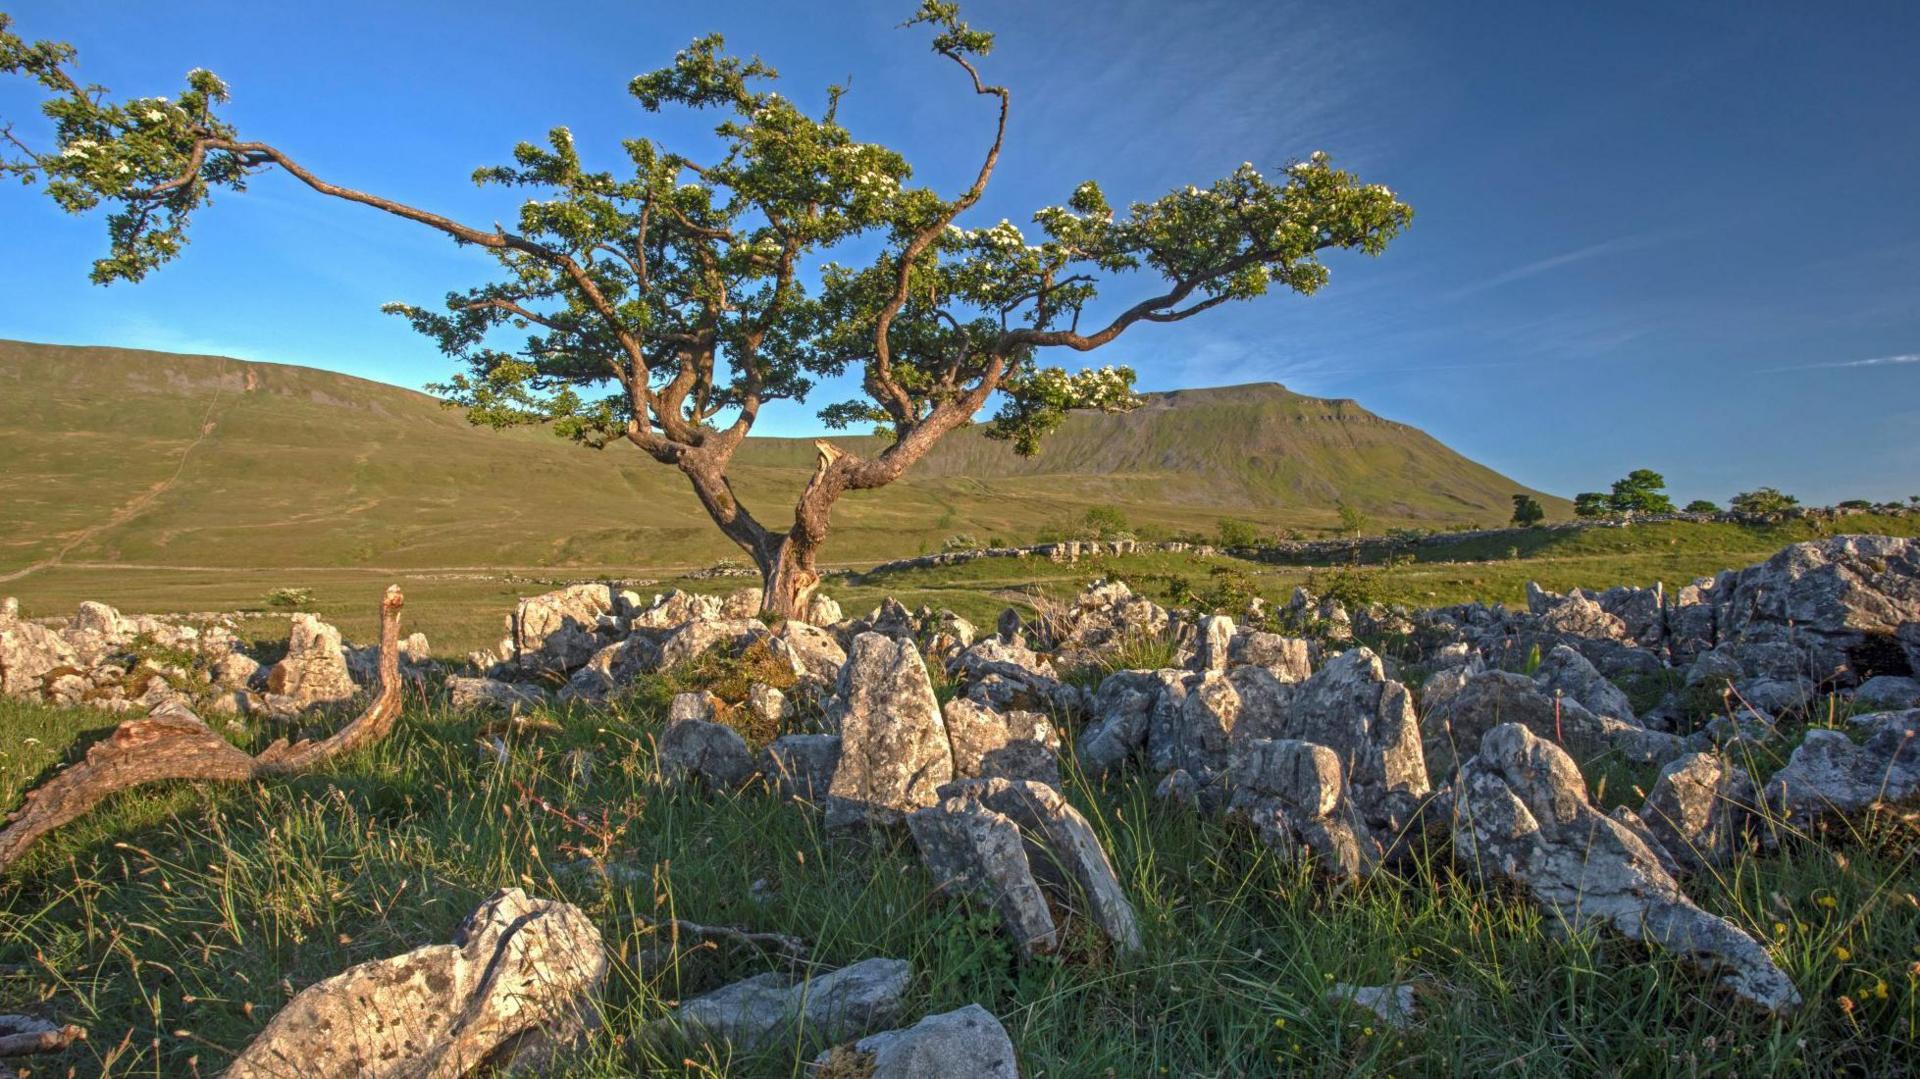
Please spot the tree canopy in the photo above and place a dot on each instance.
(1527, 510)
(666, 301)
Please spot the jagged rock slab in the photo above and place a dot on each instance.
(520, 981)
(1521, 813)
(1830, 776)
(764, 1010)
(894, 753)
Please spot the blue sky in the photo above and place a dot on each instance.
(1645, 237)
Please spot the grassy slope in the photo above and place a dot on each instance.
(150, 458)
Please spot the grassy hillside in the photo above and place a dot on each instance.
(131, 457)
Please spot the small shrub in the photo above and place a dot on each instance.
(1229, 532)
(290, 597)
(960, 541)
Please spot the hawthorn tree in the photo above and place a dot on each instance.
(666, 302)
(1641, 491)
(1527, 510)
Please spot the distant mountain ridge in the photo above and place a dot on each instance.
(126, 455)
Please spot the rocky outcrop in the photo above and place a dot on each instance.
(1521, 813)
(765, 1010)
(1367, 719)
(467, 694)
(1829, 775)
(1841, 602)
(1010, 745)
(558, 631)
(314, 672)
(968, 1043)
(894, 753)
(1295, 795)
(520, 981)
(1022, 848)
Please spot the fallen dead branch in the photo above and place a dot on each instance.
(172, 743)
(21, 1035)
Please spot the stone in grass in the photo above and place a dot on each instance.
(1022, 848)
(710, 754)
(519, 983)
(1392, 1003)
(1521, 813)
(894, 753)
(967, 1043)
(766, 1009)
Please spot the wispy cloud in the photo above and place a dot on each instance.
(1614, 246)
(1875, 361)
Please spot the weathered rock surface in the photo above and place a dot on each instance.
(968, 1043)
(1568, 672)
(557, 631)
(474, 693)
(967, 848)
(894, 753)
(1828, 775)
(801, 766)
(764, 1010)
(520, 980)
(712, 755)
(1701, 809)
(1295, 795)
(1841, 601)
(1122, 710)
(314, 671)
(1393, 1004)
(1888, 692)
(1367, 719)
(1011, 745)
(1521, 813)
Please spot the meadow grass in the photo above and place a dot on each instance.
(173, 922)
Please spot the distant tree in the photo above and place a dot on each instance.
(1592, 504)
(1913, 500)
(1527, 510)
(1105, 522)
(1855, 504)
(1229, 532)
(1762, 500)
(1701, 505)
(667, 303)
(1641, 491)
(1353, 520)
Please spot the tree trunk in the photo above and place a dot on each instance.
(789, 579)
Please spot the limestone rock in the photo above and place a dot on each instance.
(769, 1008)
(1393, 1004)
(1842, 600)
(894, 753)
(1295, 795)
(801, 766)
(1521, 813)
(28, 651)
(471, 693)
(1888, 692)
(1216, 641)
(518, 982)
(1566, 670)
(1011, 745)
(1701, 809)
(695, 639)
(1122, 709)
(556, 631)
(1063, 858)
(768, 706)
(675, 608)
(1828, 775)
(1367, 719)
(1286, 658)
(815, 656)
(710, 754)
(968, 1043)
(314, 671)
(1579, 616)
(822, 611)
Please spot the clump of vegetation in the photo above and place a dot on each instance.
(960, 541)
(1702, 505)
(1353, 520)
(1232, 532)
(1763, 500)
(1105, 523)
(292, 598)
(1527, 510)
